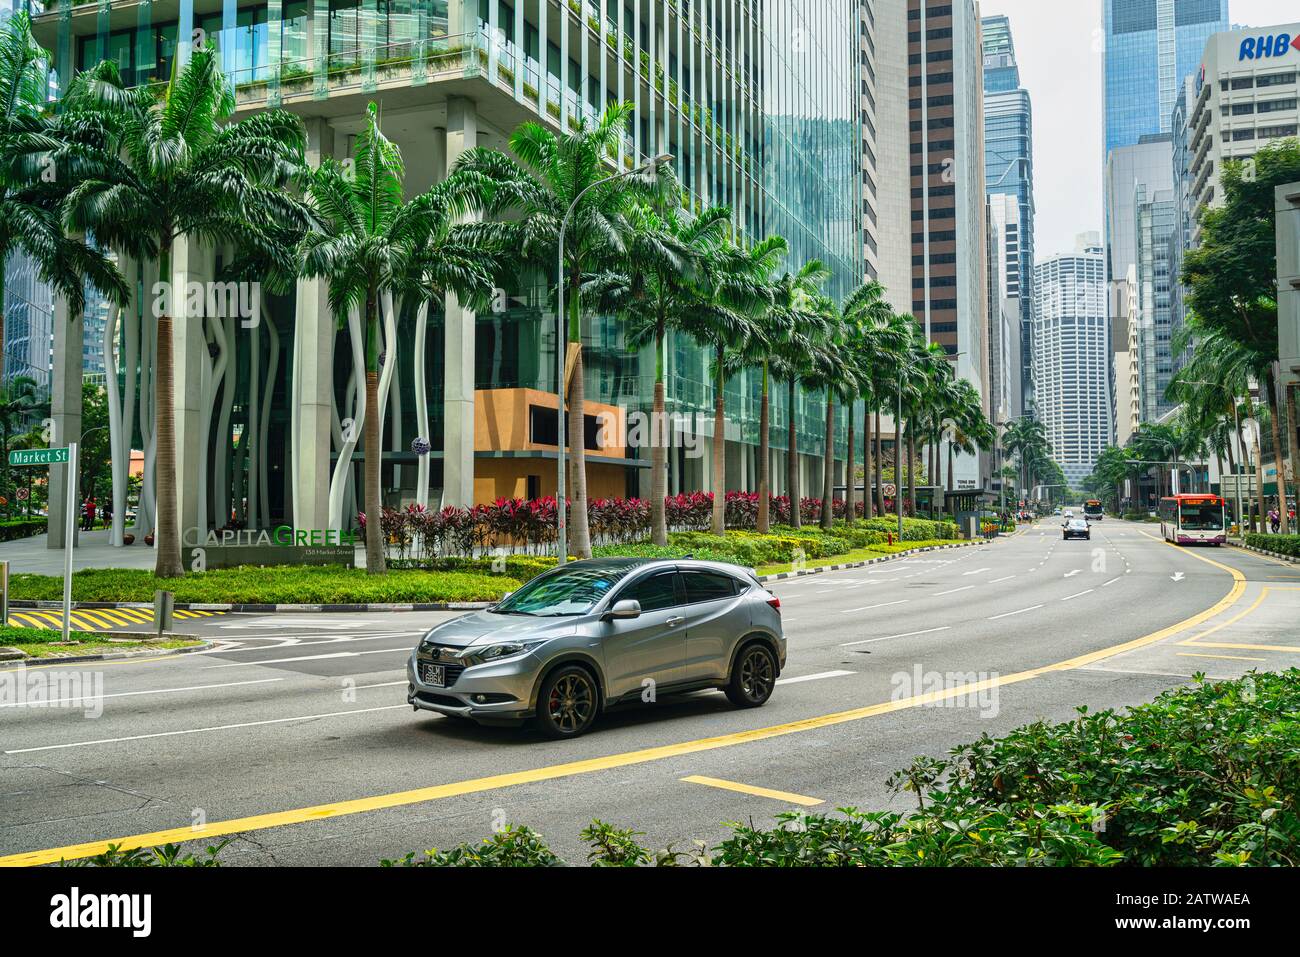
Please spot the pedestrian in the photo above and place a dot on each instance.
(1274, 520)
(88, 514)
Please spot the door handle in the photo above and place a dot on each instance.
(676, 620)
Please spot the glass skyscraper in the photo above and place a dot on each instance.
(1150, 46)
(1009, 169)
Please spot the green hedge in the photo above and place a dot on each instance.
(28, 636)
(519, 567)
(1278, 544)
(914, 529)
(15, 528)
(1206, 775)
(269, 585)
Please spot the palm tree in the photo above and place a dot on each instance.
(373, 248)
(968, 430)
(170, 169)
(657, 288)
(31, 187)
(801, 327)
(730, 313)
(871, 335)
(525, 200)
(1026, 439)
(831, 372)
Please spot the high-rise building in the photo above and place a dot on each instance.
(1009, 170)
(1151, 45)
(1072, 355)
(1143, 170)
(1154, 229)
(949, 233)
(758, 102)
(1008, 289)
(1184, 211)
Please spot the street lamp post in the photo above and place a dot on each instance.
(561, 351)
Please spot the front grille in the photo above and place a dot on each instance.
(443, 699)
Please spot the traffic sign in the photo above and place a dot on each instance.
(889, 489)
(38, 456)
(22, 495)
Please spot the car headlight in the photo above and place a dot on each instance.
(501, 650)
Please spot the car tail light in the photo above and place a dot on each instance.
(774, 601)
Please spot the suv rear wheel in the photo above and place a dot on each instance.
(753, 676)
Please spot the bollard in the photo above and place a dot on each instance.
(162, 611)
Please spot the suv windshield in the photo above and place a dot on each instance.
(569, 592)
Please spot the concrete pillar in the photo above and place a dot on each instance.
(190, 263)
(312, 386)
(65, 408)
(458, 376)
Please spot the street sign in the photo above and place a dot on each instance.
(38, 456)
(889, 489)
(22, 495)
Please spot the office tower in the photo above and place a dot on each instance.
(759, 102)
(1009, 170)
(1072, 356)
(1007, 291)
(1150, 46)
(949, 233)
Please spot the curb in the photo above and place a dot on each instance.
(237, 607)
(1263, 551)
(783, 576)
(117, 655)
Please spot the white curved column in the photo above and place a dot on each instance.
(350, 435)
(116, 463)
(421, 403)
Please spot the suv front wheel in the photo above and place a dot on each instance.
(753, 676)
(567, 702)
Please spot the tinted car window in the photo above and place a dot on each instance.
(570, 591)
(708, 586)
(655, 592)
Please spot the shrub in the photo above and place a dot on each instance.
(914, 529)
(1288, 545)
(510, 847)
(15, 528)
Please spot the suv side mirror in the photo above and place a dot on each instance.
(627, 608)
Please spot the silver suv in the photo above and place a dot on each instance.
(594, 634)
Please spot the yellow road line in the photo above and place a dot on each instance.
(1192, 654)
(784, 796)
(624, 759)
(1245, 647)
(1265, 558)
(30, 621)
(1195, 639)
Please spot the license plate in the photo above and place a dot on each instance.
(433, 675)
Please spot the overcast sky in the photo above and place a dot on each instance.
(1058, 46)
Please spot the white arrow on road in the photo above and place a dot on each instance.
(1178, 576)
(1071, 574)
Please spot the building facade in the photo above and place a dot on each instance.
(757, 101)
(1007, 292)
(1072, 359)
(949, 232)
(1150, 46)
(1155, 229)
(1009, 170)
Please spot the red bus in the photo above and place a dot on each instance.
(1193, 519)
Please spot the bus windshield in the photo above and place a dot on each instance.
(1202, 518)
(1092, 508)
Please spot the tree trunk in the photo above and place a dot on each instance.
(1279, 453)
(658, 455)
(828, 465)
(168, 542)
(764, 454)
(792, 463)
(880, 466)
(868, 496)
(952, 487)
(850, 479)
(579, 533)
(720, 449)
(911, 469)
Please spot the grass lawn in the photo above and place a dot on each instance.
(857, 555)
(269, 585)
(48, 643)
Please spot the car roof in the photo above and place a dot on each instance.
(628, 565)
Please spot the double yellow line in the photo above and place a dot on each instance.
(322, 812)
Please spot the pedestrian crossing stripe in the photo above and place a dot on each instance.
(95, 619)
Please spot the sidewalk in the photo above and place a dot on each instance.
(34, 556)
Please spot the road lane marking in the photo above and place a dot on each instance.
(219, 727)
(1019, 611)
(1072, 573)
(1005, 578)
(849, 611)
(1078, 594)
(977, 571)
(786, 796)
(127, 694)
(817, 677)
(952, 591)
(906, 634)
(189, 832)
(1192, 654)
(337, 654)
(1111, 582)
(1195, 639)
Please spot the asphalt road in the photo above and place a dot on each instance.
(292, 735)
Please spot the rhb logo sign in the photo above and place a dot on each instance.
(1262, 48)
